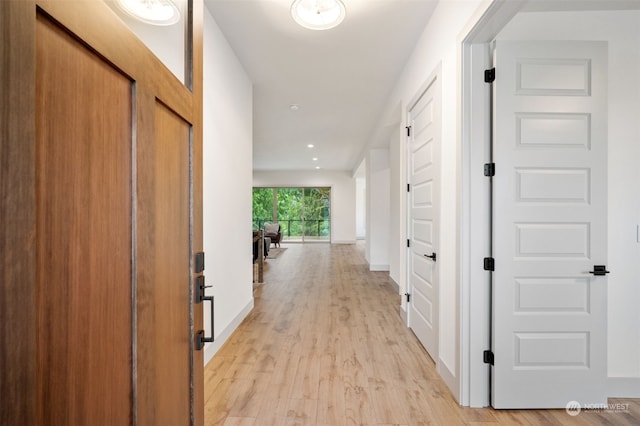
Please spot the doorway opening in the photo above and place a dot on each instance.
(304, 214)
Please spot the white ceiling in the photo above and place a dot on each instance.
(340, 78)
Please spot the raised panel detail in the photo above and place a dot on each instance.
(422, 156)
(423, 307)
(422, 119)
(553, 77)
(551, 350)
(552, 295)
(423, 269)
(552, 240)
(423, 231)
(557, 130)
(423, 194)
(553, 185)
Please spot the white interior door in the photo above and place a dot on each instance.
(423, 164)
(550, 224)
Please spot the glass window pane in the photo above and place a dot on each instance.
(262, 207)
(167, 42)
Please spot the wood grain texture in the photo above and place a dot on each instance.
(94, 25)
(197, 188)
(164, 330)
(83, 233)
(17, 214)
(325, 345)
(99, 27)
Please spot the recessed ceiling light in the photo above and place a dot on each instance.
(318, 14)
(310, 145)
(315, 158)
(154, 12)
(294, 107)
(317, 167)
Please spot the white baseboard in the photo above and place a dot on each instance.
(623, 387)
(449, 378)
(344, 242)
(211, 348)
(403, 315)
(376, 268)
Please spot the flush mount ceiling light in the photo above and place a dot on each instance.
(154, 12)
(318, 14)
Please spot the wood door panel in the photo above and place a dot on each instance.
(84, 206)
(164, 282)
(83, 238)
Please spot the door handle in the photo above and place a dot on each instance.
(599, 270)
(431, 256)
(201, 339)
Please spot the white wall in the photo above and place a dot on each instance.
(438, 45)
(378, 196)
(228, 140)
(361, 208)
(397, 229)
(343, 195)
(621, 30)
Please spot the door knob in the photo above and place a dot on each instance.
(599, 270)
(431, 256)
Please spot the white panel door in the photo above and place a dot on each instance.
(423, 164)
(550, 224)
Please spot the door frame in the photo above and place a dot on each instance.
(434, 77)
(474, 44)
(475, 145)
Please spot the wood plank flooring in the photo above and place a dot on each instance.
(325, 345)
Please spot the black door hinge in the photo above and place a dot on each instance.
(408, 130)
(408, 297)
(490, 169)
(490, 75)
(487, 357)
(408, 242)
(408, 187)
(489, 264)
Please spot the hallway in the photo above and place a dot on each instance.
(325, 345)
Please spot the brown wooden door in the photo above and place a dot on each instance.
(100, 219)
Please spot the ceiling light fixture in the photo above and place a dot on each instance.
(317, 167)
(154, 12)
(310, 145)
(315, 158)
(318, 14)
(294, 107)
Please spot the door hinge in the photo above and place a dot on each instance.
(489, 264)
(408, 242)
(408, 130)
(487, 357)
(408, 187)
(490, 75)
(490, 169)
(408, 297)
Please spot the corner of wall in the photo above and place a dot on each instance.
(212, 348)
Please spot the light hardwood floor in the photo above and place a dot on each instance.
(325, 345)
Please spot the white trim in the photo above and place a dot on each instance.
(211, 348)
(449, 377)
(377, 268)
(623, 387)
(490, 17)
(343, 242)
